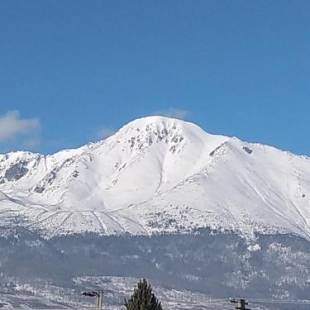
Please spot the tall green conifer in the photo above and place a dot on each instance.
(143, 298)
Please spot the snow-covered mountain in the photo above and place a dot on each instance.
(157, 174)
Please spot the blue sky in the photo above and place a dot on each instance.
(72, 70)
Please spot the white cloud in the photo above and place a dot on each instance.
(104, 133)
(12, 126)
(174, 112)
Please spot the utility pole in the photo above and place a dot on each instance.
(99, 298)
(241, 304)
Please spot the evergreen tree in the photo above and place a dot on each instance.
(143, 298)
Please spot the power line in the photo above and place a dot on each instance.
(275, 301)
(261, 300)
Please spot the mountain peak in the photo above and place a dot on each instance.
(151, 130)
(151, 119)
(159, 122)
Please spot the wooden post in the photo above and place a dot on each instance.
(242, 303)
(97, 302)
(100, 300)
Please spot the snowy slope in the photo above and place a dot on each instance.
(157, 174)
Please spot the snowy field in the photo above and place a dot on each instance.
(116, 289)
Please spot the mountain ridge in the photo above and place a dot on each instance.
(158, 175)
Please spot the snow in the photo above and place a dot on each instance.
(158, 175)
(115, 290)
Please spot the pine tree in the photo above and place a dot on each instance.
(143, 298)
